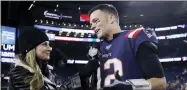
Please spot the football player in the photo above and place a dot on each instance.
(129, 59)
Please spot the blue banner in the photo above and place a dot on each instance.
(8, 44)
(8, 35)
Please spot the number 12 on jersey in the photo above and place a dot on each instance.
(117, 64)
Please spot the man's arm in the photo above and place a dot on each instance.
(147, 57)
(158, 83)
(87, 71)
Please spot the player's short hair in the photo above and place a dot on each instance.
(106, 8)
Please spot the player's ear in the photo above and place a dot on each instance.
(111, 18)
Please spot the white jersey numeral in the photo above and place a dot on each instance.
(117, 67)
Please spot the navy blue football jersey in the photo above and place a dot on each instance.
(119, 55)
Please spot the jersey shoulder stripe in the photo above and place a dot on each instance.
(133, 33)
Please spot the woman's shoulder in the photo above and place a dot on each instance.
(19, 71)
(18, 77)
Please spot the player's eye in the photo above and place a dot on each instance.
(97, 21)
(94, 21)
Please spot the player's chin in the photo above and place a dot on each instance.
(99, 35)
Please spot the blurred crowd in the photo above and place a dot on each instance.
(178, 80)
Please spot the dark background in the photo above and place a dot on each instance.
(156, 14)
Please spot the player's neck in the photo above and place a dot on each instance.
(113, 31)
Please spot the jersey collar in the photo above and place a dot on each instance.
(114, 36)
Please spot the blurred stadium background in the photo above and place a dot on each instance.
(67, 25)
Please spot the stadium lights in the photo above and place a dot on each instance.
(125, 16)
(41, 21)
(161, 37)
(68, 33)
(57, 5)
(76, 39)
(51, 36)
(79, 35)
(79, 8)
(69, 24)
(59, 34)
(162, 29)
(30, 6)
(7, 78)
(52, 28)
(141, 15)
(75, 35)
(176, 36)
(181, 26)
(171, 59)
(63, 29)
(46, 31)
(69, 61)
(169, 28)
(173, 36)
(77, 30)
(89, 35)
(185, 41)
(82, 34)
(184, 58)
(81, 62)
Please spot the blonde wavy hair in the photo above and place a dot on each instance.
(36, 82)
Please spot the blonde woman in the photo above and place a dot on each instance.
(31, 71)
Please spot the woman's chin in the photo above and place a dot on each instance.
(47, 58)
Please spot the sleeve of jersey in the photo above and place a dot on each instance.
(141, 35)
